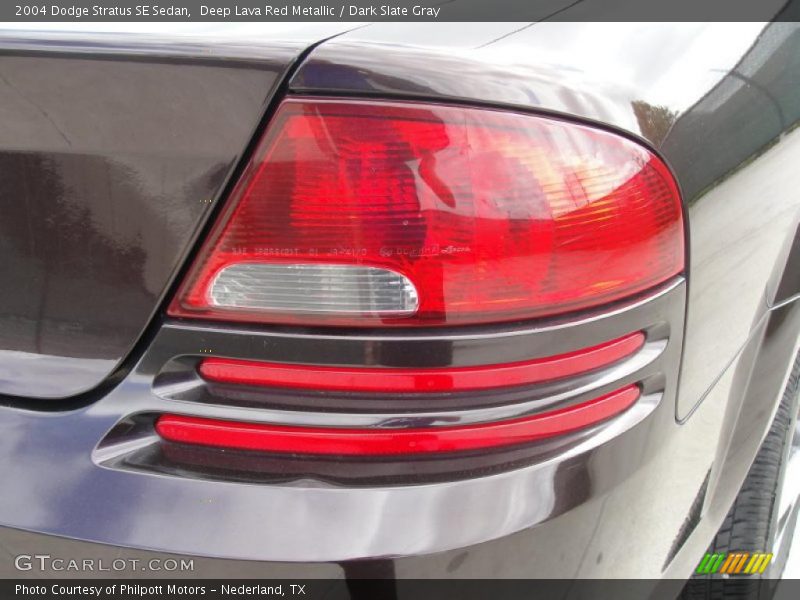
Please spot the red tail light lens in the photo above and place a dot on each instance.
(376, 213)
(319, 440)
(397, 380)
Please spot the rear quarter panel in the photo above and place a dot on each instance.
(720, 103)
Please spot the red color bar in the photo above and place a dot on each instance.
(366, 442)
(482, 377)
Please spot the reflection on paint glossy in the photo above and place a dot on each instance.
(52, 373)
(107, 174)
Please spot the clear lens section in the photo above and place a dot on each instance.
(308, 289)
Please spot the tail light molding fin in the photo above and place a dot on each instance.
(178, 389)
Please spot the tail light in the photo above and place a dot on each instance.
(420, 380)
(368, 213)
(364, 213)
(306, 440)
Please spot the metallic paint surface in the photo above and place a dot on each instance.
(719, 102)
(108, 177)
(113, 149)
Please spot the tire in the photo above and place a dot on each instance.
(751, 522)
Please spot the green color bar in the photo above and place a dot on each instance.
(701, 568)
(718, 563)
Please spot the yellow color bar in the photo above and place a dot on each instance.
(765, 563)
(751, 566)
(758, 563)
